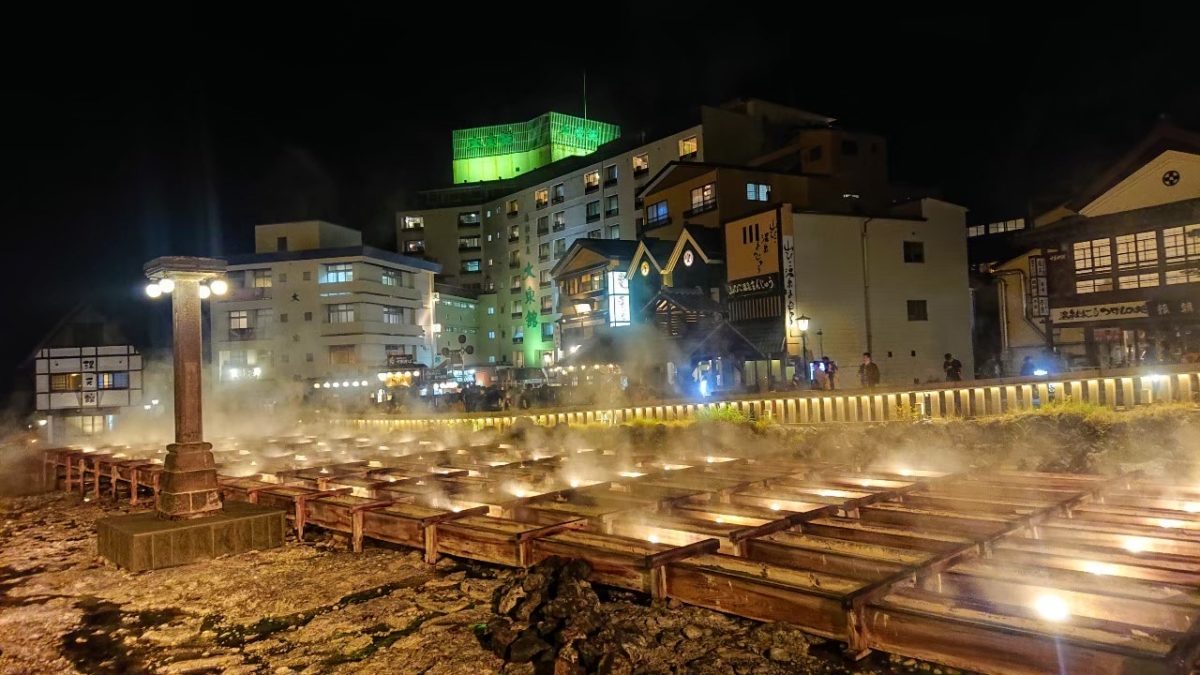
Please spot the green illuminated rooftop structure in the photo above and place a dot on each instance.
(508, 150)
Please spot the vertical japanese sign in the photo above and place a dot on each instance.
(789, 279)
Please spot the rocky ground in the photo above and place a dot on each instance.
(314, 607)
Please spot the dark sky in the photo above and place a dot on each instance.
(133, 133)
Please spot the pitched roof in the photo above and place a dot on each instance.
(613, 249)
(1162, 138)
(657, 250)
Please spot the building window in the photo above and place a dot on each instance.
(307, 275)
(1092, 257)
(610, 175)
(688, 147)
(849, 147)
(1127, 281)
(308, 357)
(560, 221)
(612, 206)
(592, 211)
(1181, 250)
(976, 230)
(544, 250)
(514, 232)
(342, 355)
(560, 247)
(547, 331)
(261, 278)
(472, 265)
(341, 313)
(468, 218)
(388, 278)
(704, 198)
(280, 243)
(547, 304)
(558, 193)
(66, 382)
(544, 278)
(917, 310)
(593, 234)
(393, 315)
(591, 181)
(512, 207)
(641, 164)
(491, 311)
(308, 316)
(1137, 250)
(471, 243)
(541, 198)
(239, 319)
(283, 317)
(337, 273)
(515, 308)
(914, 251)
(414, 222)
(514, 258)
(414, 246)
(614, 231)
(758, 192)
(543, 225)
(118, 380)
(491, 335)
(656, 213)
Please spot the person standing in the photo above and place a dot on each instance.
(868, 372)
(1028, 367)
(831, 372)
(953, 368)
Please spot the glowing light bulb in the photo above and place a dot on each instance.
(205, 291)
(775, 506)
(1169, 523)
(219, 287)
(719, 520)
(1099, 568)
(166, 285)
(1051, 608)
(575, 483)
(153, 290)
(1192, 507)
(1135, 544)
(653, 538)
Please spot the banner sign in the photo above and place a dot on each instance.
(1111, 311)
(764, 283)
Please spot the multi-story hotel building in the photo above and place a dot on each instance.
(314, 306)
(503, 235)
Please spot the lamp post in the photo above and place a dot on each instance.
(802, 324)
(188, 487)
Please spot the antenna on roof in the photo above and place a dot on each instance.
(585, 93)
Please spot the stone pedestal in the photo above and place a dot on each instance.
(144, 541)
(188, 487)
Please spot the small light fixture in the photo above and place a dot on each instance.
(802, 323)
(219, 287)
(583, 308)
(166, 285)
(154, 290)
(205, 291)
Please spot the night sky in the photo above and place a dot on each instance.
(132, 135)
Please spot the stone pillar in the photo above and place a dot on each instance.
(189, 481)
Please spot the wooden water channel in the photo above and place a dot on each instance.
(1002, 572)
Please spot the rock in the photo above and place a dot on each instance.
(201, 665)
(168, 636)
(533, 581)
(692, 632)
(614, 664)
(283, 670)
(526, 648)
(779, 654)
(507, 598)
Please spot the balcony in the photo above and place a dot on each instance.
(514, 264)
(558, 199)
(543, 258)
(244, 294)
(703, 207)
(593, 217)
(543, 284)
(468, 247)
(559, 227)
(513, 238)
(243, 334)
(468, 224)
(658, 222)
(416, 250)
(514, 290)
(610, 182)
(543, 231)
(590, 188)
(517, 315)
(611, 212)
(691, 155)
(638, 173)
(512, 213)
(547, 310)
(540, 204)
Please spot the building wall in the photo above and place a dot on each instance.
(304, 236)
(1173, 176)
(458, 316)
(295, 344)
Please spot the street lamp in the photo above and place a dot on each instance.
(802, 324)
(188, 486)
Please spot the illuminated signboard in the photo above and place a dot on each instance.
(618, 299)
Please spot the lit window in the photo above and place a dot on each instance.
(261, 278)
(1137, 250)
(618, 299)
(239, 319)
(657, 213)
(468, 218)
(544, 277)
(558, 193)
(512, 207)
(473, 265)
(976, 230)
(414, 222)
(591, 180)
(541, 198)
(758, 192)
(491, 310)
(342, 355)
(704, 198)
(514, 233)
(1092, 257)
(119, 380)
(641, 163)
(1127, 281)
(1084, 286)
(414, 246)
(341, 313)
(547, 303)
(469, 243)
(547, 331)
(491, 333)
(66, 382)
(393, 315)
(389, 278)
(560, 221)
(614, 231)
(337, 273)
(688, 146)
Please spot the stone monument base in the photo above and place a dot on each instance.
(144, 541)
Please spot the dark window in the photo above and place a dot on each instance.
(281, 243)
(308, 316)
(283, 317)
(814, 153)
(917, 310)
(849, 147)
(308, 276)
(914, 251)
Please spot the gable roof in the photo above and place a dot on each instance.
(657, 251)
(613, 249)
(1162, 138)
(708, 242)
